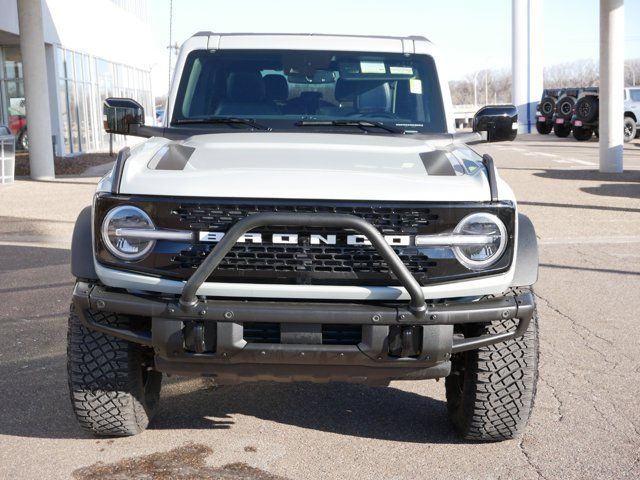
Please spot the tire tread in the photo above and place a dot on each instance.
(499, 386)
(106, 393)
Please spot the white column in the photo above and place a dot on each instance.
(36, 89)
(611, 85)
(526, 60)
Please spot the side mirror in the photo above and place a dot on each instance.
(499, 121)
(120, 114)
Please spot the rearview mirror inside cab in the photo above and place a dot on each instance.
(121, 114)
(499, 121)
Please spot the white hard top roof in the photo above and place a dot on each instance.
(315, 41)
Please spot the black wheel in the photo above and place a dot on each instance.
(562, 130)
(587, 108)
(22, 142)
(543, 128)
(630, 129)
(582, 134)
(113, 389)
(491, 390)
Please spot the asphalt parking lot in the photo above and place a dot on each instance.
(585, 424)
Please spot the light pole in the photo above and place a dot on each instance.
(486, 88)
(475, 89)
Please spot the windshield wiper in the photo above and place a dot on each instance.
(221, 120)
(363, 124)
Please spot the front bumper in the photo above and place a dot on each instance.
(233, 359)
(205, 335)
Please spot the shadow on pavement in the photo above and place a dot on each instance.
(580, 207)
(589, 175)
(384, 413)
(36, 404)
(622, 190)
(589, 269)
(625, 185)
(15, 258)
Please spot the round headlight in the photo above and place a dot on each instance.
(125, 247)
(481, 255)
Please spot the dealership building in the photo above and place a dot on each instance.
(92, 50)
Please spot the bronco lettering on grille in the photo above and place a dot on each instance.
(312, 239)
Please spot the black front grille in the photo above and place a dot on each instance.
(388, 219)
(306, 263)
(303, 263)
(321, 259)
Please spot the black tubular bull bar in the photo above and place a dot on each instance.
(417, 304)
(190, 307)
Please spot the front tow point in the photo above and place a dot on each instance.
(405, 341)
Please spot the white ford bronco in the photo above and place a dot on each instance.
(306, 213)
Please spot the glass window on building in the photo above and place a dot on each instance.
(84, 83)
(12, 99)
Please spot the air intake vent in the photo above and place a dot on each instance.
(341, 334)
(258, 332)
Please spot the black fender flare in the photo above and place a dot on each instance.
(526, 260)
(82, 266)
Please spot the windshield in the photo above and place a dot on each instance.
(286, 90)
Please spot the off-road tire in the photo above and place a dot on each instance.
(565, 105)
(562, 131)
(491, 390)
(113, 392)
(630, 129)
(582, 134)
(547, 106)
(543, 128)
(587, 108)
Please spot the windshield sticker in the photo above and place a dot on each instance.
(415, 86)
(401, 70)
(372, 67)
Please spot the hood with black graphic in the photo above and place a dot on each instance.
(324, 166)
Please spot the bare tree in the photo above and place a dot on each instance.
(579, 73)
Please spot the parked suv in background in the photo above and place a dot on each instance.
(545, 110)
(307, 212)
(631, 113)
(585, 115)
(586, 120)
(564, 111)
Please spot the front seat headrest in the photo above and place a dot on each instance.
(377, 99)
(245, 87)
(276, 87)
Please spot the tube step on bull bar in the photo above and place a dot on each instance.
(416, 312)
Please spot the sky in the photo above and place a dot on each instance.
(472, 34)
